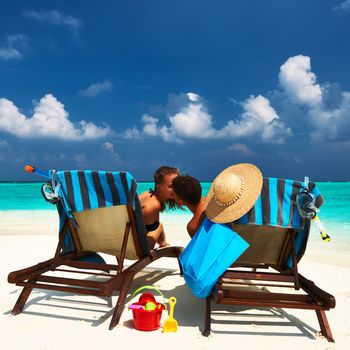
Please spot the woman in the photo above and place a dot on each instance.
(155, 201)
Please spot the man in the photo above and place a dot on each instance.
(188, 192)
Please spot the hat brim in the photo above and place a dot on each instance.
(253, 181)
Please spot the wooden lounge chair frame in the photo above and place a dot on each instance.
(227, 289)
(121, 279)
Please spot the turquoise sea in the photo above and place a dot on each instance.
(335, 213)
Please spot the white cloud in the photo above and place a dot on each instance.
(131, 133)
(192, 97)
(343, 6)
(150, 128)
(260, 120)
(241, 148)
(260, 109)
(319, 110)
(55, 18)
(299, 82)
(109, 148)
(96, 89)
(50, 119)
(194, 122)
(11, 49)
(191, 122)
(331, 124)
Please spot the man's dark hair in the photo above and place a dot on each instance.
(188, 189)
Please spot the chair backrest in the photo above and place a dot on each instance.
(269, 246)
(268, 226)
(101, 204)
(102, 230)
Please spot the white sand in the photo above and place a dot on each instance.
(53, 320)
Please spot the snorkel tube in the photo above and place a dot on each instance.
(50, 189)
(34, 170)
(322, 230)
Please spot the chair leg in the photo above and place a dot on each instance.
(207, 322)
(325, 328)
(180, 268)
(17, 309)
(118, 310)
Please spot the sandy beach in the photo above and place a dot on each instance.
(52, 320)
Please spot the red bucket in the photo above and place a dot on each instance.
(147, 319)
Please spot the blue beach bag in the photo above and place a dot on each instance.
(213, 249)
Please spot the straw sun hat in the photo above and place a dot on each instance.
(233, 192)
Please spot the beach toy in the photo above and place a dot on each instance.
(147, 312)
(150, 306)
(146, 297)
(136, 306)
(170, 325)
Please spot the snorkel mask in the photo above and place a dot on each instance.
(305, 202)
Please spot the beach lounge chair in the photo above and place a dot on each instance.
(266, 274)
(99, 212)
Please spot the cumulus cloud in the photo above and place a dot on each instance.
(331, 124)
(299, 106)
(108, 148)
(13, 46)
(240, 148)
(192, 97)
(55, 18)
(299, 82)
(326, 108)
(151, 125)
(259, 119)
(96, 89)
(50, 119)
(131, 134)
(193, 121)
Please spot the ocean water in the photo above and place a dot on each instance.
(335, 213)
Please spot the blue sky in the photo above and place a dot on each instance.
(133, 85)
